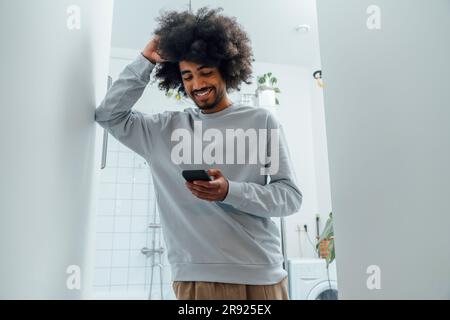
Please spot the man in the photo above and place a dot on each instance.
(221, 241)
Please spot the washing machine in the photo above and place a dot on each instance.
(309, 279)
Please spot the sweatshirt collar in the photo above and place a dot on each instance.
(220, 113)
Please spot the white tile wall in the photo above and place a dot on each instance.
(141, 207)
(111, 160)
(104, 241)
(107, 191)
(121, 224)
(141, 176)
(121, 241)
(140, 191)
(126, 204)
(120, 260)
(119, 276)
(103, 258)
(109, 175)
(105, 224)
(139, 224)
(136, 276)
(137, 259)
(124, 191)
(101, 277)
(124, 175)
(126, 160)
(105, 207)
(136, 240)
(125, 208)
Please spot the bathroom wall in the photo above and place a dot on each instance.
(386, 72)
(126, 205)
(53, 74)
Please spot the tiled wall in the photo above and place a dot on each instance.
(125, 208)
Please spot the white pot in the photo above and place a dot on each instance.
(266, 97)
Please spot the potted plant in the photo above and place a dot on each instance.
(172, 93)
(180, 100)
(266, 90)
(325, 243)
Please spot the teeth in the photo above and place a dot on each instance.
(204, 93)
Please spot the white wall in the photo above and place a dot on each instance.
(51, 80)
(324, 206)
(134, 22)
(387, 115)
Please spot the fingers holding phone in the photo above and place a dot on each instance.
(203, 187)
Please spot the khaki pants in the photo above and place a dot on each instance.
(199, 290)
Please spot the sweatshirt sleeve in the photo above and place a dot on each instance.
(280, 197)
(132, 128)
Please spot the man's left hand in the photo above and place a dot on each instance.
(215, 190)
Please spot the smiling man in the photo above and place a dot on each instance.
(221, 240)
(210, 96)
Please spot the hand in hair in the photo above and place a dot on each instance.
(151, 51)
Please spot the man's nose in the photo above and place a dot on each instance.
(198, 85)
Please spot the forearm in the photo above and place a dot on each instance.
(124, 93)
(276, 199)
(132, 128)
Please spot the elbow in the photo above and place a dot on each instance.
(292, 199)
(102, 117)
(98, 119)
(98, 115)
(296, 200)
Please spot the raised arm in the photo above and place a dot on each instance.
(132, 128)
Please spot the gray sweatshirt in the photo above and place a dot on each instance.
(230, 241)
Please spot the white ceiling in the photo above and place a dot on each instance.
(270, 25)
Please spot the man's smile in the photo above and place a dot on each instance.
(203, 95)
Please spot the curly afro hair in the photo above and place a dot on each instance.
(207, 38)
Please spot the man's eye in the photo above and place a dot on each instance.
(207, 73)
(187, 79)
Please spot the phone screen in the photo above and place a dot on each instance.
(192, 175)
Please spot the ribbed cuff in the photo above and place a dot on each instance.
(235, 195)
(142, 67)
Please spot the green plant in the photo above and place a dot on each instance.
(268, 81)
(327, 237)
(172, 93)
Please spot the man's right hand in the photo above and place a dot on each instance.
(150, 51)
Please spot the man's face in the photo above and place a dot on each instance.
(203, 84)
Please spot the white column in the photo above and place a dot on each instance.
(54, 62)
(386, 78)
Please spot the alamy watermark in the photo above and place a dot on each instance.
(73, 281)
(374, 19)
(74, 17)
(260, 146)
(373, 282)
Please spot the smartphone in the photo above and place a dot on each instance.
(192, 175)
